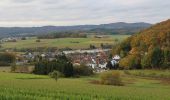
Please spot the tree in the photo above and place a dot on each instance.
(102, 45)
(165, 58)
(92, 46)
(55, 74)
(62, 64)
(7, 58)
(109, 65)
(145, 62)
(122, 53)
(68, 69)
(130, 62)
(155, 57)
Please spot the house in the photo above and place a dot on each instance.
(98, 36)
(103, 66)
(115, 60)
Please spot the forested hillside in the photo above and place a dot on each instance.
(149, 48)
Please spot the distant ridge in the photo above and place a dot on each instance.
(112, 28)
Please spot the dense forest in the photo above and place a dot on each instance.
(147, 49)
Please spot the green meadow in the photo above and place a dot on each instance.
(15, 86)
(74, 43)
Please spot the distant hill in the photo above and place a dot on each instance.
(113, 28)
(149, 48)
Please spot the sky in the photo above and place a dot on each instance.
(27, 13)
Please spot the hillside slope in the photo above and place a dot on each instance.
(149, 48)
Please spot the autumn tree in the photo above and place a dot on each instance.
(145, 61)
(130, 62)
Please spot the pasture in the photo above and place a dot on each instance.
(74, 43)
(15, 86)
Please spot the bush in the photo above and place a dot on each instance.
(38, 40)
(82, 70)
(2, 63)
(55, 75)
(13, 67)
(23, 38)
(22, 69)
(127, 72)
(111, 78)
(6, 59)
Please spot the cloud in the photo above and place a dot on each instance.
(75, 12)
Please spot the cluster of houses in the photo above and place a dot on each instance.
(12, 39)
(35, 56)
(96, 59)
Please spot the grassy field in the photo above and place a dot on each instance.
(74, 43)
(15, 86)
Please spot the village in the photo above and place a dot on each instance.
(97, 59)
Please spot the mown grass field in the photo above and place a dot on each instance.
(74, 43)
(15, 86)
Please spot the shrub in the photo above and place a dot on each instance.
(13, 67)
(127, 72)
(141, 74)
(23, 38)
(82, 70)
(111, 78)
(153, 74)
(55, 75)
(2, 63)
(38, 40)
(22, 69)
(6, 59)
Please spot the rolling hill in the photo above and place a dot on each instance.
(113, 28)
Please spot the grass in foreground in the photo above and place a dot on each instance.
(15, 86)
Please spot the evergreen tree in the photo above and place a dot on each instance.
(155, 57)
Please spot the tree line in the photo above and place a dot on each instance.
(62, 35)
(63, 65)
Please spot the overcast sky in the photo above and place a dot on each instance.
(80, 12)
